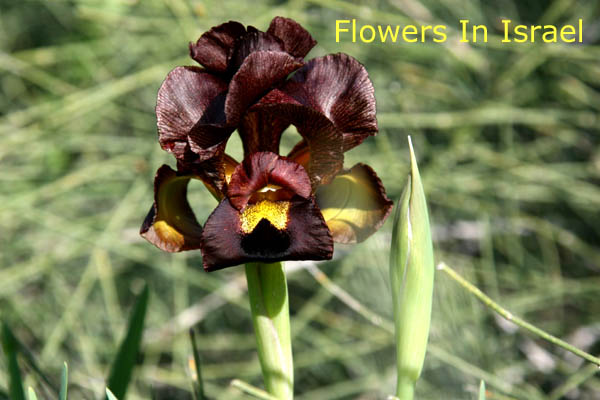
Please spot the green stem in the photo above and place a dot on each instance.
(405, 388)
(267, 290)
(513, 318)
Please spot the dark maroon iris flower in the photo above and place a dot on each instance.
(272, 208)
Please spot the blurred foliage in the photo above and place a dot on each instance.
(508, 140)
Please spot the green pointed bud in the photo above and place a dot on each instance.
(482, 390)
(411, 273)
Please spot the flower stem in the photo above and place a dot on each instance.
(513, 318)
(267, 290)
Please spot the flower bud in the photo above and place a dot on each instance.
(411, 273)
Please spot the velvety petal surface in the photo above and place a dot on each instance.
(213, 48)
(251, 42)
(339, 87)
(261, 131)
(191, 101)
(265, 169)
(300, 153)
(215, 172)
(259, 72)
(354, 204)
(296, 40)
(304, 237)
(171, 225)
(324, 140)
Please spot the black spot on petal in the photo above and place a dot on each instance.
(266, 241)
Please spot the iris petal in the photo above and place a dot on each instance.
(259, 72)
(191, 100)
(297, 41)
(171, 225)
(354, 204)
(215, 172)
(263, 169)
(305, 237)
(261, 131)
(213, 47)
(339, 87)
(251, 42)
(324, 140)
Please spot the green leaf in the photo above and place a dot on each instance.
(10, 345)
(110, 395)
(197, 382)
(31, 394)
(124, 363)
(64, 382)
(482, 390)
(29, 359)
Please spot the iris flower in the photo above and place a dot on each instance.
(271, 207)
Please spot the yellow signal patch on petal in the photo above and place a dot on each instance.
(276, 212)
(168, 233)
(354, 204)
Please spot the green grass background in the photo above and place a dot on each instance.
(507, 138)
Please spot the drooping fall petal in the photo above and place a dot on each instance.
(213, 47)
(171, 225)
(303, 235)
(269, 214)
(354, 204)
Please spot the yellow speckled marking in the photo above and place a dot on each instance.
(276, 212)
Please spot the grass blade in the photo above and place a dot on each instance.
(197, 383)
(64, 382)
(110, 395)
(251, 390)
(9, 345)
(124, 362)
(31, 394)
(482, 390)
(29, 361)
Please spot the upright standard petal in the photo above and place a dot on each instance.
(251, 42)
(354, 204)
(190, 100)
(259, 72)
(297, 41)
(323, 139)
(213, 48)
(171, 225)
(339, 87)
